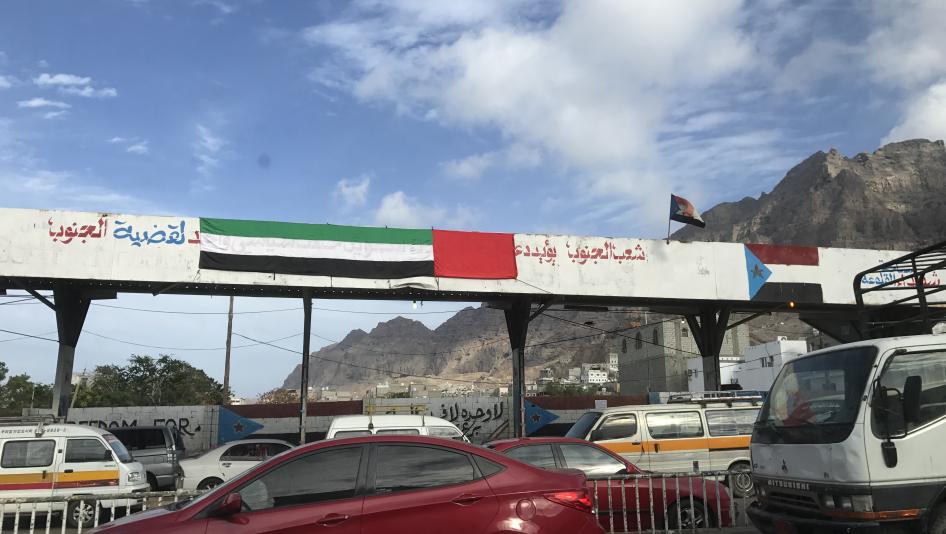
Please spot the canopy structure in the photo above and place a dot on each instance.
(81, 256)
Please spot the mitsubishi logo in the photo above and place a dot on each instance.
(784, 467)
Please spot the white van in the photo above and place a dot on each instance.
(56, 459)
(711, 435)
(348, 426)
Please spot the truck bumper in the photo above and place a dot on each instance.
(768, 522)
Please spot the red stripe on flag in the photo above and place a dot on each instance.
(785, 254)
(474, 255)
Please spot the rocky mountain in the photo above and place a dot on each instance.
(893, 198)
(472, 345)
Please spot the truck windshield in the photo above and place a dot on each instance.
(583, 425)
(816, 399)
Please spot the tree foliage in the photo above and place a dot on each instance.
(279, 396)
(148, 381)
(21, 392)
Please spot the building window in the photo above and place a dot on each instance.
(624, 345)
(685, 332)
(656, 337)
(638, 341)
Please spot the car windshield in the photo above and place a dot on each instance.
(118, 448)
(583, 425)
(818, 397)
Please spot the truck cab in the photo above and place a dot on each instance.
(851, 438)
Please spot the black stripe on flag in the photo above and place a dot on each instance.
(780, 292)
(316, 266)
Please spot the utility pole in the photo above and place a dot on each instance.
(304, 382)
(226, 364)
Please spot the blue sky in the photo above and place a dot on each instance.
(577, 116)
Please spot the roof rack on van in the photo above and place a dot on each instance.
(39, 420)
(710, 397)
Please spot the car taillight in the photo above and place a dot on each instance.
(579, 500)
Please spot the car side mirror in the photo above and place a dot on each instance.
(108, 456)
(597, 435)
(232, 504)
(912, 388)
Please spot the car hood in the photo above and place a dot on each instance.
(153, 516)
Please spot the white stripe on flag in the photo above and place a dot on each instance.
(300, 248)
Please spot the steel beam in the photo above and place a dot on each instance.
(71, 307)
(304, 382)
(517, 323)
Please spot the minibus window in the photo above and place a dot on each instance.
(675, 425)
(28, 453)
(617, 427)
(731, 422)
(581, 427)
(121, 453)
(86, 450)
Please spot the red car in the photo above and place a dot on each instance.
(710, 502)
(380, 484)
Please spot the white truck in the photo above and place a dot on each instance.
(853, 438)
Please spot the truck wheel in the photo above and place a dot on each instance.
(209, 483)
(937, 524)
(690, 517)
(81, 512)
(740, 480)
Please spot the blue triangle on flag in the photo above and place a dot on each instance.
(756, 271)
(233, 426)
(537, 417)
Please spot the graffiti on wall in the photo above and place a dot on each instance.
(582, 254)
(471, 421)
(167, 234)
(183, 424)
(67, 233)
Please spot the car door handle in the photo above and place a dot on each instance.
(635, 443)
(226, 464)
(656, 447)
(467, 499)
(65, 471)
(331, 520)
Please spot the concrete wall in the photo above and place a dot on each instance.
(198, 424)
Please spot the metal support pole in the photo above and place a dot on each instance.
(71, 310)
(517, 323)
(304, 382)
(226, 362)
(709, 331)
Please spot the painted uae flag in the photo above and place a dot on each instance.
(353, 251)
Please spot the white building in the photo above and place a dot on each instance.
(594, 376)
(756, 370)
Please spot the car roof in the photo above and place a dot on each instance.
(724, 403)
(51, 430)
(399, 438)
(252, 441)
(346, 422)
(884, 344)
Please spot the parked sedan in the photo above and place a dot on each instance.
(624, 492)
(382, 483)
(226, 461)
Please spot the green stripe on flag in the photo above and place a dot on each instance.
(322, 232)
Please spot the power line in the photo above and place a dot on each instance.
(27, 335)
(382, 371)
(635, 339)
(15, 301)
(183, 349)
(276, 310)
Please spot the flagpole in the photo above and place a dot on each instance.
(669, 220)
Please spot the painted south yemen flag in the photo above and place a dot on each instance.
(353, 251)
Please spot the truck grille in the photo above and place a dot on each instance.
(794, 500)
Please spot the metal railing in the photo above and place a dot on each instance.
(77, 513)
(671, 502)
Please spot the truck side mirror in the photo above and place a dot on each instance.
(912, 388)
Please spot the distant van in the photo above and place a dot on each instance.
(53, 459)
(348, 426)
(158, 448)
(678, 437)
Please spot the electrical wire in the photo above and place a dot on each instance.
(27, 335)
(182, 349)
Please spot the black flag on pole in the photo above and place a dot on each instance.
(681, 210)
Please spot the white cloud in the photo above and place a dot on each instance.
(352, 192)
(118, 140)
(55, 114)
(46, 79)
(71, 84)
(592, 86)
(907, 47)
(925, 117)
(206, 150)
(5, 82)
(42, 103)
(403, 211)
(90, 92)
(471, 168)
(140, 148)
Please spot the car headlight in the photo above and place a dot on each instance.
(134, 476)
(862, 503)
